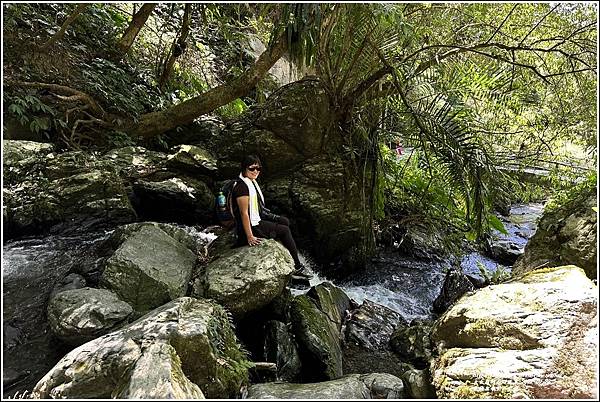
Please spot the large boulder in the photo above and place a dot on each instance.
(135, 162)
(192, 159)
(412, 342)
(303, 177)
(371, 326)
(367, 335)
(332, 301)
(158, 374)
(318, 340)
(74, 188)
(323, 201)
(565, 235)
(149, 268)
(533, 337)
(77, 316)
(168, 354)
(246, 279)
(455, 285)
(353, 386)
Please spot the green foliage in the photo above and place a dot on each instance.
(587, 185)
(124, 90)
(232, 109)
(119, 139)
(496, 223)
(32, 112)
(418, 193)
(498, 276)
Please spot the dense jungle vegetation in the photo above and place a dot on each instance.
(475, 90)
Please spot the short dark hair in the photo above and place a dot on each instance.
(249, 160)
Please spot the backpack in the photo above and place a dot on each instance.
(224, 213)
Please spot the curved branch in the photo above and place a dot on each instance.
(74, 93)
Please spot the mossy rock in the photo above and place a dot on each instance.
(318, 340)
(185, 346)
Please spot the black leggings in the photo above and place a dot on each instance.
(279, 230)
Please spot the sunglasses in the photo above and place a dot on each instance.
(254, 168)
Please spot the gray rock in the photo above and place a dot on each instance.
(371, 326)
(354, 386)
(566, 235)
(247, 278)
(412, 342)
(318, 340)
(455, 285)
(331, 300)
(418, 384)
(193, 159)
(533, 337)
(183, 343)
(69, 282)
(281, 349)
(505, 251)
(157, 374)
(134, 162)
(149, 268)
(77, 316)
(44, 189)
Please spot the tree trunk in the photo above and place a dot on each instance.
(57, 36)
(138, 21)
(177, 48)
(152, 124)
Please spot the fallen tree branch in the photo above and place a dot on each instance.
(74, 93)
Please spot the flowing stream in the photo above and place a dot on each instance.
(32, 266)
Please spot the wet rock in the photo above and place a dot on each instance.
(566, 235)
(331, 300)
(456, 284)
(418, 384)
(246, 279)
(69, 282)
(360, 360)
(149, 268)
(11, 336)
(533, 337)
(281, 349)
(163, 355)
(371, 326)
(420, 241)
(77, 316)
(504, 251)
(412, 342)
(318, 340)
(354, 386)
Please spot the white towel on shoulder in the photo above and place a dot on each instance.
(253, 192)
